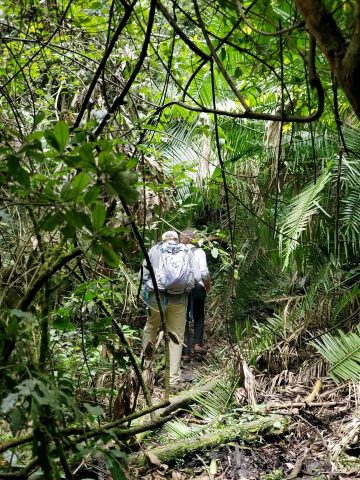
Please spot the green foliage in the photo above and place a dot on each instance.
(86, 129)
(299, 215)
(343, 354)
(277, 474)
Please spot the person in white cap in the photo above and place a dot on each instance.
(173, 265)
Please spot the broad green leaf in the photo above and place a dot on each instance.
(238, 72)
(114, 465)
(78, 219)
(111, 258)
(68, 231)
(51, 221)
(17, 419)
(16, 171)
(63, 324)
(92, 195)
(39, 117)
(79, 183)
(132, 163)
(61, 133)
(98, 216)
(87, 155)
(51, 139)
(95, 410)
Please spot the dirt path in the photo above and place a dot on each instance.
(322, 441)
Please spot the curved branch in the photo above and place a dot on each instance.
(40, 281)
(261, 116)
(89, 432)
(156, 289)
(120, 99)
(343, 56)
(101, 67)
(218, 61)
(181, 34)
(218, 148)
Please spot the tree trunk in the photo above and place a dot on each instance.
(343, 56)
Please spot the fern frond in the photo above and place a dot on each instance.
(343, 354)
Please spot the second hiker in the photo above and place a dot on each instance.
(197, 296)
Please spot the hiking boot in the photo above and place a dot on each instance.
(182, 383)
(200, 349)
(176, 388)
(186, 377)
(186, 358)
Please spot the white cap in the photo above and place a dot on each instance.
(170, 235)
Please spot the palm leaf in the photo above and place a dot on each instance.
(215, 403)
(177, 429)
(342, 353)
(299, 215)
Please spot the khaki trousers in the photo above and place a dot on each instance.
(175, 324)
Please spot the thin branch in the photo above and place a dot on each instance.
(156, 289)
(101, 67)
(180, 32)
(279, 146)
(120, 99)
(261, 32)
(40, 281)
(258, 116)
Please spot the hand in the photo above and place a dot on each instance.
(207, 285)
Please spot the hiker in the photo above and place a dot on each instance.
(173, 266)
(197, 297)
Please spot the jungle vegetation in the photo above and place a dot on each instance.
(122, 118)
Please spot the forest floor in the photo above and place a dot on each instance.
(320, 442)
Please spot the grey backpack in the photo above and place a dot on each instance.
(175, 273)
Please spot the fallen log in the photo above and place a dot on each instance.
(187, 397)
(273, 406)
(245, 430)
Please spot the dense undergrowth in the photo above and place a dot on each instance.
(119, 121)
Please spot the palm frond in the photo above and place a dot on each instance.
(177, 429)
(342, 353)
(351, 211)
(299, 215)
(215, 403)
(178, 144)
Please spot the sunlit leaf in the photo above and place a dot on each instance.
(61, 133)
